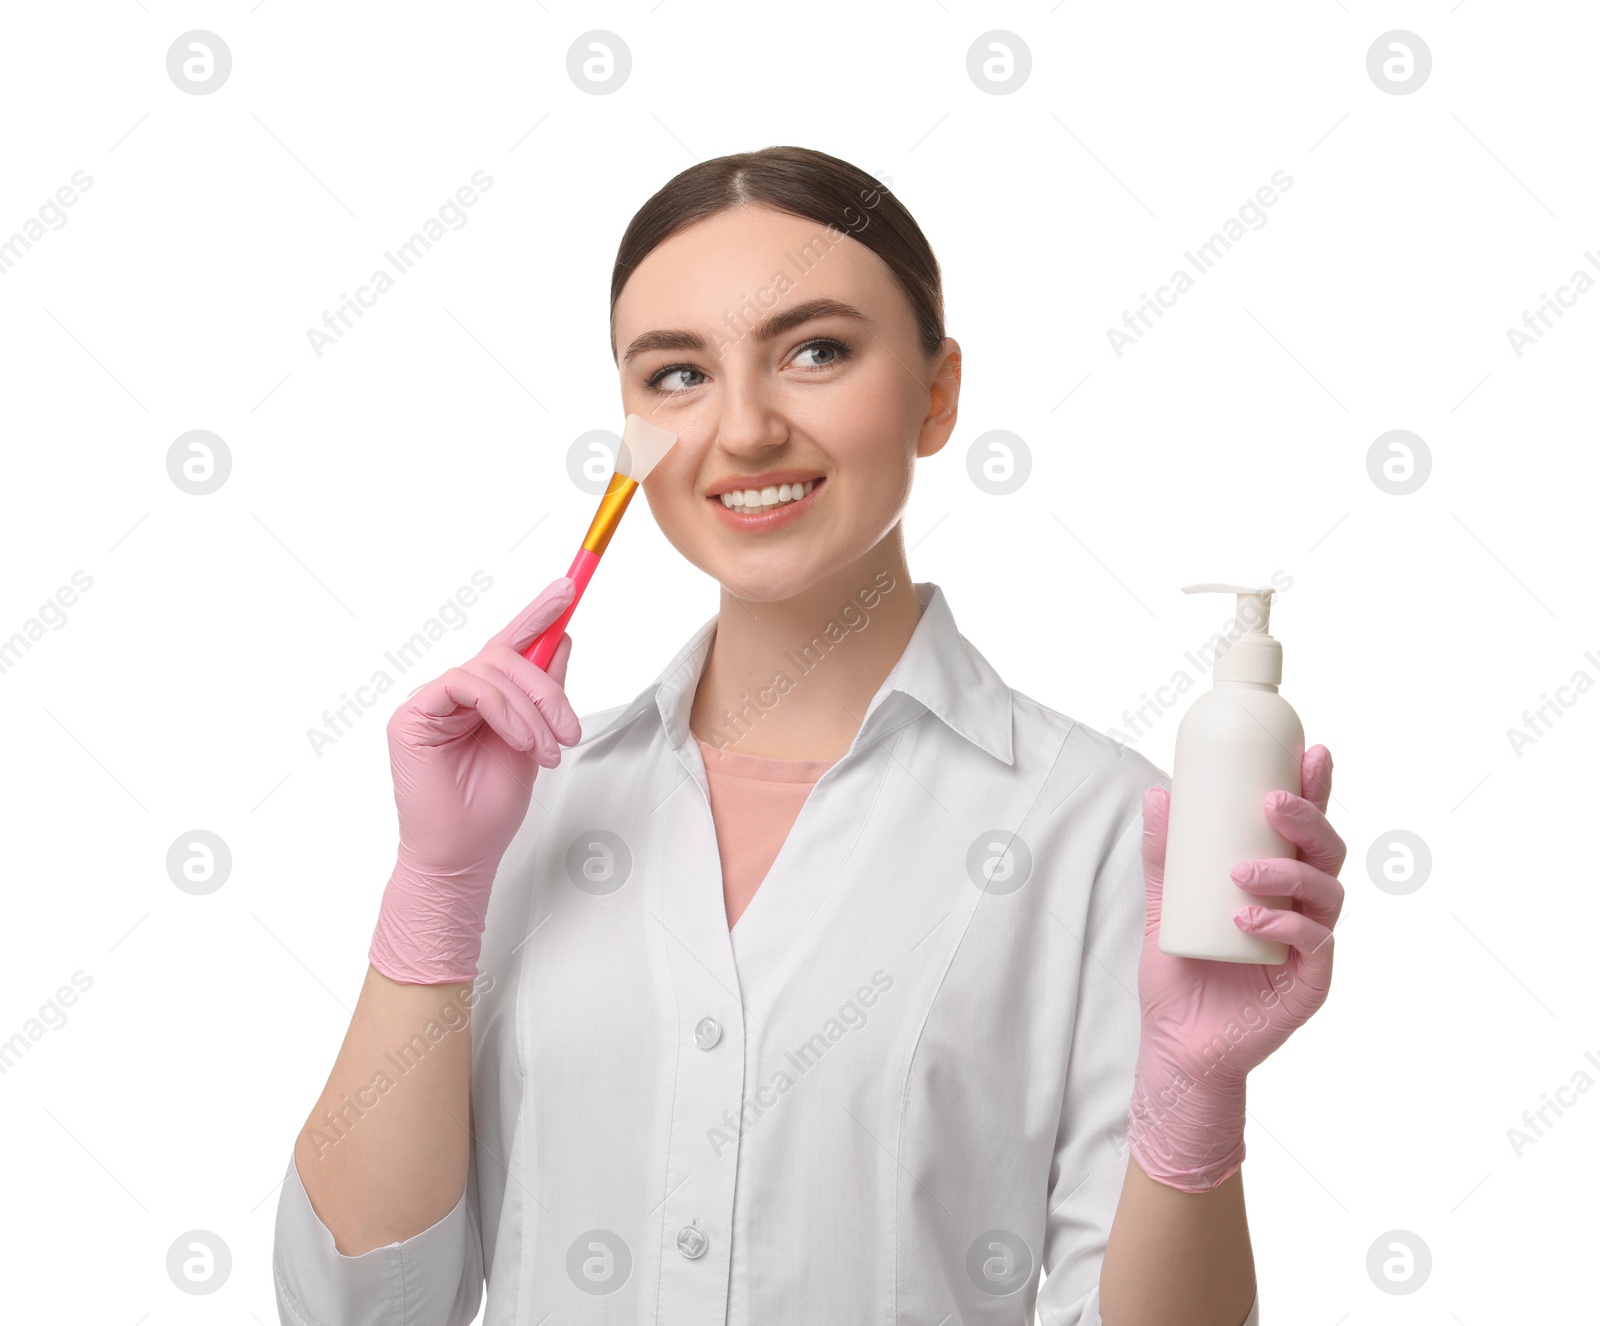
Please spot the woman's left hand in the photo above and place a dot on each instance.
(1206, 1024)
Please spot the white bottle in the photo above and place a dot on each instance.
(1236, 743)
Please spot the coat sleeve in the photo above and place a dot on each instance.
(1091, 1157)
(434, 1278)
(1091, 1151)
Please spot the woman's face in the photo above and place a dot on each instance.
(850, 401)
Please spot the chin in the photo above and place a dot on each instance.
(755, 582)
(763, 589)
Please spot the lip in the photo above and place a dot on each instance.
(778, 516)
(771, 479)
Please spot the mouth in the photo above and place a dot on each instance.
(755, 519)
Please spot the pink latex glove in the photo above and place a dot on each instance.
(464, 750)
(1205, 1024)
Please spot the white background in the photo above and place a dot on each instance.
(369, 484)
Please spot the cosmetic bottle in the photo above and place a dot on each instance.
(1237, 742)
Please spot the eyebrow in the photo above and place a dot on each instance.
(783, 321)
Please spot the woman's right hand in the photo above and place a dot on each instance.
(464, 750)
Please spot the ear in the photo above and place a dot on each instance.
(944, 396)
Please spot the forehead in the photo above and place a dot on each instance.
(750, 258)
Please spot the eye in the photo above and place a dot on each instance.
(838, 349)
(835, 352)
(655, 379)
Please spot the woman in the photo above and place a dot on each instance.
(885, 1072)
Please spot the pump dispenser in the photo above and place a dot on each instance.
(1237, 742)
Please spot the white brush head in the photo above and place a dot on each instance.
(643, 446)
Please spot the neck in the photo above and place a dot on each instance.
(791, 679)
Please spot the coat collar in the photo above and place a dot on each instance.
(939, 669)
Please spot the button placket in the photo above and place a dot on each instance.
(707, 1088)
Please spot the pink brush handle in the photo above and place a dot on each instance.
(544, 648)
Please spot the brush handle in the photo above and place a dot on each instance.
(608, 515)
(544, 648)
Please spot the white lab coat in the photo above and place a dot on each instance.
(893, 1093)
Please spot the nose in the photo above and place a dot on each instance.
(749, 421)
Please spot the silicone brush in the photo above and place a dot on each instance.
(643, 446)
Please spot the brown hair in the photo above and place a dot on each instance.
(805, 183)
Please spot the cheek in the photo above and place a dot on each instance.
(671, 515)
(878, 456)
(670, 493)
(674, 472)
(664, 495)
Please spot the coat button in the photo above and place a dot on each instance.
(692, 1241)
(707, 1032)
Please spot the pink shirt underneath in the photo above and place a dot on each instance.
(754, 803)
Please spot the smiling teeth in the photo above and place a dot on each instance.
(762, 499)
